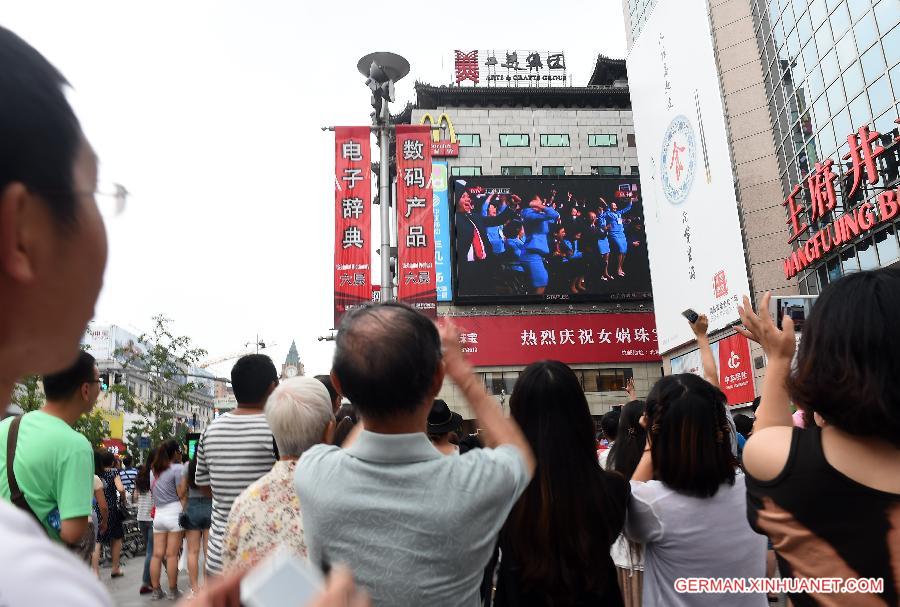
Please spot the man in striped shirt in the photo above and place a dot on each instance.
(128, 474)
(237, 448)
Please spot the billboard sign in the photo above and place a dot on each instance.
(570, 338)
(443, 274)
(735, 368)
(510, 67)
(536, 239)
(695, 242)
(415, 219)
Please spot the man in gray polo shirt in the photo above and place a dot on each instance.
(415, 527)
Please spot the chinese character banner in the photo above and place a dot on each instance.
(570, 338)
(735, 369)
(415, 219)
(695, 243)
(442, 269)
(352, 219)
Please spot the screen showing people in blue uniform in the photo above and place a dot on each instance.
(541, 238)
(796, 307)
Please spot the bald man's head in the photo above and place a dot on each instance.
(386, 359)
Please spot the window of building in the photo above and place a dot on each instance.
(635, 170)
(605, 170)
(557, 170)
(630, 139)
(514, 141)
(465, 171)
(515, 170)
(555, 141)
(886, 243)
(604, 380)
(603, 140)
(469, 140)
(498, 382)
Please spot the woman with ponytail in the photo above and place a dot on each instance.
(688, 505)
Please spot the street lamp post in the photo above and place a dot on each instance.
(382, 70)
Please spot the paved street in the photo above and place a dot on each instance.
(124, 590)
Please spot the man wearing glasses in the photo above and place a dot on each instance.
(54, 464)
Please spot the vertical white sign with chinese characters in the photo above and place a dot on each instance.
(693, 231)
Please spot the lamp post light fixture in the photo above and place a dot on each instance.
(382, 70)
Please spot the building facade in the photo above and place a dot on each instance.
(831, 70)
(552, 132)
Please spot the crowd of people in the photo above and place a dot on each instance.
(394, 515)
(522, 241)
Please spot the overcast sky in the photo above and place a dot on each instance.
(209, 112)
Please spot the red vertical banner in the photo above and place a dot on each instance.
(735, 369)
(415, 219)
(352, 219)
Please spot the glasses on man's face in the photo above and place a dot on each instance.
(111, 198)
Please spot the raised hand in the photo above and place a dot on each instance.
(776, 343)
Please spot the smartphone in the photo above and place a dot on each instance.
(797, 307)
(281, 580)
(690, 315)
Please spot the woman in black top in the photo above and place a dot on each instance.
(828, 496)
(554, 547)
(114, 491)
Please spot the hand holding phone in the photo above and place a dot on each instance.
(690, 315)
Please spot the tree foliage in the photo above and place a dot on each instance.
(164, 360)
(29, 396)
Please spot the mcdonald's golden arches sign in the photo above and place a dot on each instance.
(440, 146)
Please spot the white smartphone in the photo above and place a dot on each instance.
(282, 579)
(797, 307)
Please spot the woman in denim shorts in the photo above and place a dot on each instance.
(196, 520)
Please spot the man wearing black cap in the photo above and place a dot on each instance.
(442, 422)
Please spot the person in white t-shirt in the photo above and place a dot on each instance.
(688, 499)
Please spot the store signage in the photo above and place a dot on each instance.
(511, 67)
(353, 220)
(820, 190)
(439, 146)
(570, 338)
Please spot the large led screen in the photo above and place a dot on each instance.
(530, 239)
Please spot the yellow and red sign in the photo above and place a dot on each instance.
(439, 146)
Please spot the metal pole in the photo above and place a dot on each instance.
(384, 182)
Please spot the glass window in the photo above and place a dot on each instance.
(787, 17)
(846, 50)
(858, 7)
(891, 42)
(834, 269)
(880, 95)
(840, 20)
(815, 83)
(603, 140)
(630, 139)
(823, 275)
(835, 95)
(868, 259)
(873, 64)
(465, 171)
(606, 170)
(853, 80)
(515, 170)
(606, 380)
(499, 383)
(804, 28)
(635, 170)
(817, 11)
(848, 261)
(887, 14)
(866, 33)
(554, 170)
(885, 123)
(886, 243)
(860, 113)
(823, 36)
(842, 127)
(895, 79)
(554, 141)
(469, 140)
(830, 68)
(514, 140)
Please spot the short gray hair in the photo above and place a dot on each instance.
(298, 411)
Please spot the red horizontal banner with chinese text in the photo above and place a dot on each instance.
(570, 338)
(352, 219)
(415, 220)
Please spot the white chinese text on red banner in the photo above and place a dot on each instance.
(415, 220)
(352, 220)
